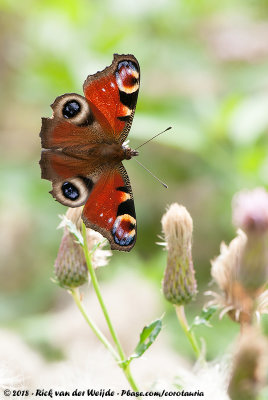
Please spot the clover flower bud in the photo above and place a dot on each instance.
(224, 270)
(179, 284)
(99, 257)
(250, 212)
(74, 215)
(70, 265)
(234, 298)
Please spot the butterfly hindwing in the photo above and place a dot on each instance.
(110, 209)
(72, 178)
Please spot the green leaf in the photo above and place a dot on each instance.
(65, 222)
(147, 337)
(204, 317)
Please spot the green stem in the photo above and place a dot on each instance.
(95, 284)
(189, 334)
(98, 333)
(130, 379)
(99, 296)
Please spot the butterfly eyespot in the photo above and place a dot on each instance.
(133, 80)
(74, 108)
(71, 109)
(74, 192)
(123, 230)
(70, 191)
(127, 77)
(130, 65)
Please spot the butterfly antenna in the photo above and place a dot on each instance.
(162, 183)
(153, 137)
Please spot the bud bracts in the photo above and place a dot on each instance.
(70, 265)
(179, 284)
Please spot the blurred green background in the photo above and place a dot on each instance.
(203, 71)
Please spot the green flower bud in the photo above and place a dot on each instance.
(70, 265)
(179, 284)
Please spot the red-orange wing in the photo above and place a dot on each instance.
(112, 95)
(110, 209)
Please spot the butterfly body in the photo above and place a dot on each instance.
(83, 149)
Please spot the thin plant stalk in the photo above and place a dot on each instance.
(189, 334)
(76, 296)
(95, 284)
(99, 296)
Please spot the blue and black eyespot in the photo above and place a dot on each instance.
(128, 64)
(70, 191)
(71, 109)
(74, 108)
(128, 236)
(126, 241)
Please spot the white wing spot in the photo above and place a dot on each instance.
(101, 215)
(110, 220)
(112, 85)
(103, 89)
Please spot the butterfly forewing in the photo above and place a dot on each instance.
(113, 93)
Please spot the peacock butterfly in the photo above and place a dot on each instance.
(83, 149)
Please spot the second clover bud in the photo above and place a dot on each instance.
(250, 212)
(179, 284)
